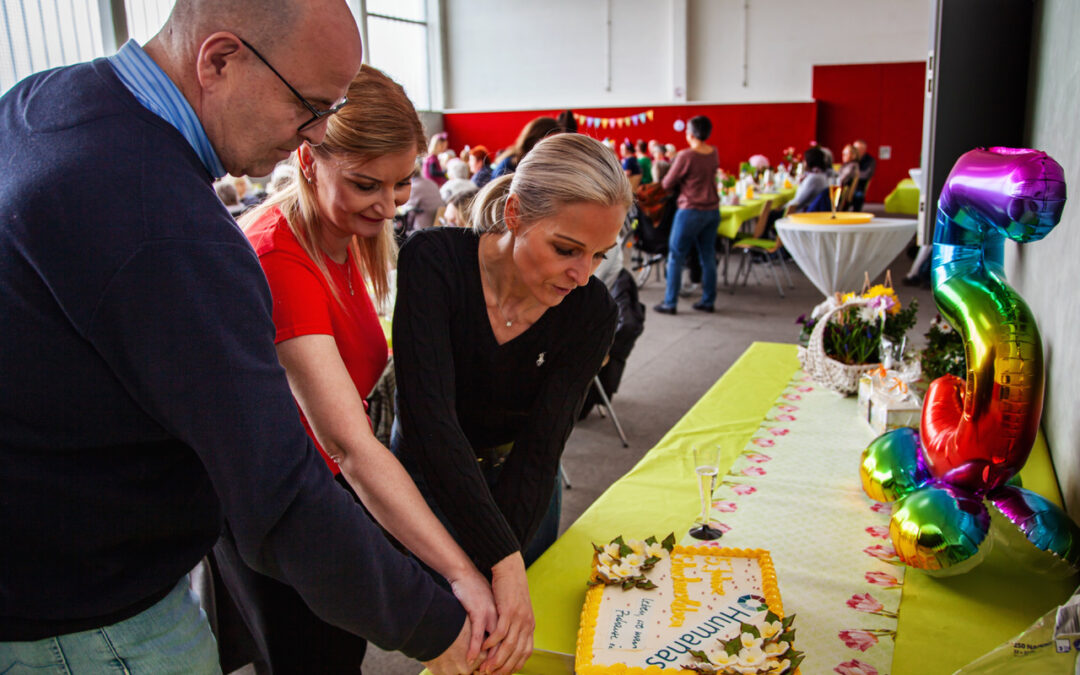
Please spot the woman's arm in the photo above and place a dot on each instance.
(676, 173)
(428, 307)
(326, 394)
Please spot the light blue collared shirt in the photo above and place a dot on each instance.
(151, 87)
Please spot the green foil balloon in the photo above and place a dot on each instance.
(892, 465)
(940, 529)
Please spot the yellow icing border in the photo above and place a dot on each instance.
(583, 656)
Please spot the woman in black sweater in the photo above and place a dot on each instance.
(498, 332)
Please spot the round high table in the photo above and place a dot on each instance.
(836, 257)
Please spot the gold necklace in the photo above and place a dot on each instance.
(483, 266)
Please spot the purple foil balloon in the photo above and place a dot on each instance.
(1045, 525)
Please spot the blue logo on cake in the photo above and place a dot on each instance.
(752, 603)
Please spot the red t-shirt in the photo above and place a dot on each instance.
(304, 305)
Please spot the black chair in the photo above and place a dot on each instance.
(651, 240)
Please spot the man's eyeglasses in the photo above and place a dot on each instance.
(316, 114)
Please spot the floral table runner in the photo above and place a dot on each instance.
(795, 491)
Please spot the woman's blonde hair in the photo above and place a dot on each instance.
(378, 120)
(562, 169)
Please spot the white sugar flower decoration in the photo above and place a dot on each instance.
(634, 560)
(612, 550)
(605, 559)
(776, 648)
(751, 656)
(622, 570)
(655, 551)
(750, 642)
(606, 571)
(722, 658)
(781, 667)
(771, 628)
(638, 547)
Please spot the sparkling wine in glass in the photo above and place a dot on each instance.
(706, 466)
(835, 188)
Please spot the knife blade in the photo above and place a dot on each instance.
(543, 662)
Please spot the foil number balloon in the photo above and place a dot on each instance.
(976, 435)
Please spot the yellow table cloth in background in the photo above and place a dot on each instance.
(904, 198)
(732, 217)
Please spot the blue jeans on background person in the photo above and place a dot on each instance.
(693, 227)
(171, 636)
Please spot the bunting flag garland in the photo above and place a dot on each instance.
(614, 122)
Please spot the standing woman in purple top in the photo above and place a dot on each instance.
(693, 175)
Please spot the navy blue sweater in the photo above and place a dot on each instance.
(141, 400)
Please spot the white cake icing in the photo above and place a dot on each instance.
(702, 595)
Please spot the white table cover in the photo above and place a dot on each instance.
(835, 257)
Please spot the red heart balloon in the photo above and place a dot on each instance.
(967, 450)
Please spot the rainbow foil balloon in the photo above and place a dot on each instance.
(977, 434)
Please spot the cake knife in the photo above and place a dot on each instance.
(543, 662)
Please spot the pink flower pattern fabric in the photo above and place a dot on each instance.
(753, 471)
(855, 667)
(757, 457)
(864, 602)
(883, 553)
(763, 442)
(724, 507)
(858, 639)
(878, 531)
(884, 508)
(882, 579)
(742, 490)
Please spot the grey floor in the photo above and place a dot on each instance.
(674, 362)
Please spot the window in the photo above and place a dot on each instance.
(397, 44)
(146, 17)
(40, 34)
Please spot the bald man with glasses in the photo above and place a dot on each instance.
(142, 406)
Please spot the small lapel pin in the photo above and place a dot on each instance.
(540, 359)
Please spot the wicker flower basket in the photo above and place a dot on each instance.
(827, 371)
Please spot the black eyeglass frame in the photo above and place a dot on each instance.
(316, 114)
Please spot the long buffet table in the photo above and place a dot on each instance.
(791, 485)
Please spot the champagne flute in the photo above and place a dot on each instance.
(706, 466)
(835, 188)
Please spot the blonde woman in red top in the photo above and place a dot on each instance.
(322, 242)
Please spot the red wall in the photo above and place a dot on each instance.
(882, 103)
(738, 130)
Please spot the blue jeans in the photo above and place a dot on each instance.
(171, 636)
(693, 228)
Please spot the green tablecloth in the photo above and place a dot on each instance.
(945, 622)
(732, 217)
(904, 198)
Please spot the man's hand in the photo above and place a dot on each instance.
(454, 660)
(514, 634)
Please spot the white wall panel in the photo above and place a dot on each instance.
(517, 54)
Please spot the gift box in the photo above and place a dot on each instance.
(886, 400)
(887, 413)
